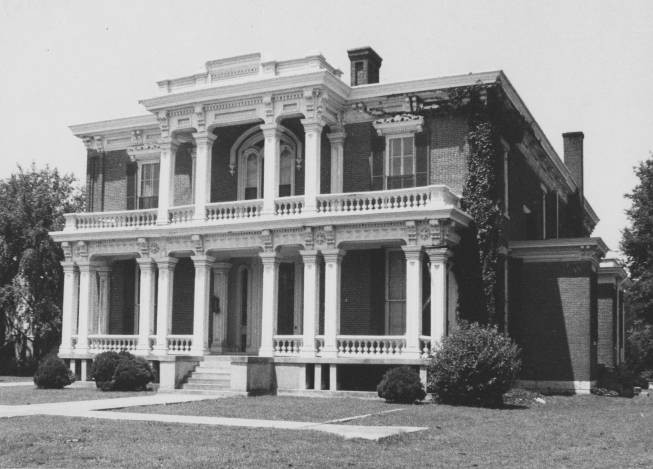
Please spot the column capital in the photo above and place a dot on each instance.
(202, 261)
(269, 257)
(337, 136)
(221, 267)
(333, 255)
(88, 266)
(166, 263)
(168, 143)
(313, 125)
(270, 130)
(68, 266)
(204, 138)
(439, 254)
(412, 252)
(145, 263)
(309, 256)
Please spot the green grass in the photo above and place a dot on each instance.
(580, 431)
(14, 379)
(23, 395)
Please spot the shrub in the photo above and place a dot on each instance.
(474, 365)
(103, 367)
(52, 373)
(132, 374)
(639, 347)
(401, 384)
(621, 379)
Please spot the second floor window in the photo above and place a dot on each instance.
(401, 162)
(148, 188)
(253, 180)
(286, 169)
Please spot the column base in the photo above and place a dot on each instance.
(199, 352)
(65, 350)
(412, 353)
(160, 222)
(160, 351)
(329, 352)
(307, 352)
(266, 352)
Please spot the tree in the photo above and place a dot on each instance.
(637, 244)
(32, 203)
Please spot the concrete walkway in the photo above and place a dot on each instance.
(12, 384)
(98, 409)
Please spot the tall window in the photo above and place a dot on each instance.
(401, 162)
(285, 173)
(148, 189)
(252, 176)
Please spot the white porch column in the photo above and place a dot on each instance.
(413, 299)
(311, 301)
(221, 292)
(202, 265)
(313, 134)
(202, 183)
(337, 140)
(166, 268)
(438, 259)
(104, 276)
(146, 302)
(87, 282)
(166, 179)
(332, 263)
(69, 310)
(270, 303)
(271, 133)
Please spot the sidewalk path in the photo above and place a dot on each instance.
(11, 384)
(98, 409)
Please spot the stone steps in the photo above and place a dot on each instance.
(212, 375)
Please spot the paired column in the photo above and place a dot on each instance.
(313, 137)
(204, 142)
(166, 179)
(270, 302)
(311, 301)
(332, 275)
(272, 134)
(337, 140)
(146, 302)
(201, 305)
(413, 256)
(221, 293)
(166, 269)
(87, 289)
(438, 258)
(69, 310)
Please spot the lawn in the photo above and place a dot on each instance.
(23, 395)
(14, 379)
(579, 431)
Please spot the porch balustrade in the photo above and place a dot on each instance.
(236, 210)
(415, 198)
(287, 345)
(98, 343)
(180, 344)
(425, 346)
(371, 346)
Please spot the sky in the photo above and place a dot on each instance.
(578, 65)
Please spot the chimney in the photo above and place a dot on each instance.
(573, 150)
(365, 65)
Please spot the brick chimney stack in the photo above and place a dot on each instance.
(365, 65)
(573, 151)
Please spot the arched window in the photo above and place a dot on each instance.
(253, 189)
(286, 172)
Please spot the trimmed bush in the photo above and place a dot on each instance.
(475, 365)
(132, 374)
(621, 380)
(103, 367)
(402, 385)
(52, 373)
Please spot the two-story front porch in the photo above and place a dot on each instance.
(358, 279)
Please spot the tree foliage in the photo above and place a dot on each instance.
(32, 203)
(637, 243)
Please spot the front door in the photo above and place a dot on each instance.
(286, 311)
(244, 310)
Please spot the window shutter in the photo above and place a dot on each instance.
(421, 160)
(132, 169)
(377, 169)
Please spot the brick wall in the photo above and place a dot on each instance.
(552, 317)
(115, 180)
(357, 150)
(183, 179)
(362, 292)
(448, 150)
(182, 297)
(607, 324)
(525, 190)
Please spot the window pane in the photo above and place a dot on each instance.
(395, 147)
(285, 168)
(396, 167)
(408, 165)
(408, 145)
(251, 178)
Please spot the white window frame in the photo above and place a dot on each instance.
(293, 161)
(387, 158)
(139, 178)
(242, 174)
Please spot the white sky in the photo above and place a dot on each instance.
(578, 65)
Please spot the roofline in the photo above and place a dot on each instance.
(123, 123)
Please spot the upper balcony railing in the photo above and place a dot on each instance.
(239, 211)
